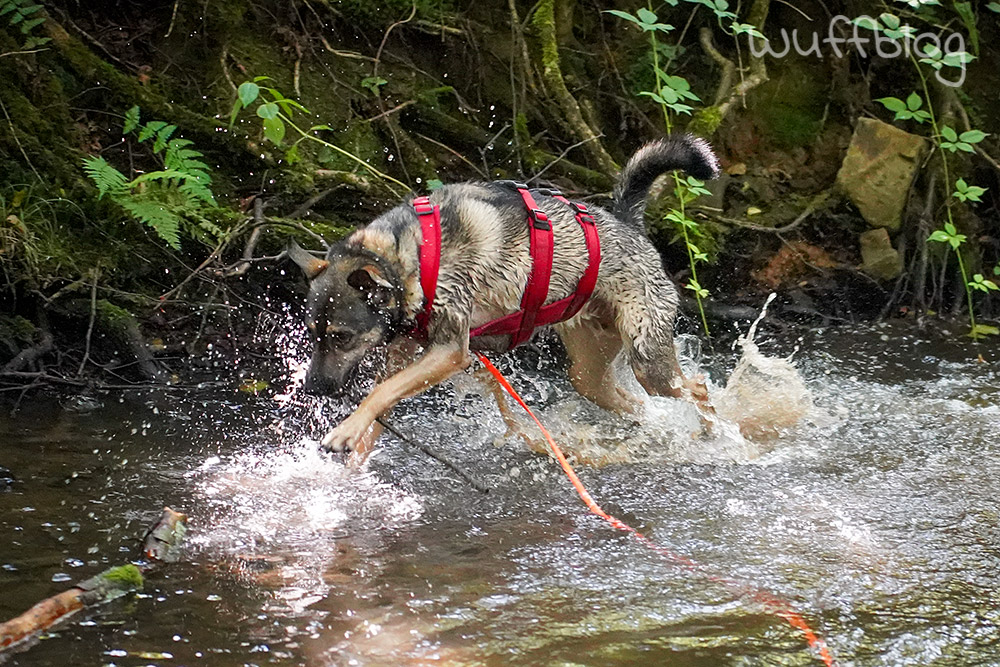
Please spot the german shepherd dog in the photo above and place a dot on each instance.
(366, 294)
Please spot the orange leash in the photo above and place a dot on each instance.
(771, 602)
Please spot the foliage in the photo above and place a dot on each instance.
(673, 94)
(170, 199)
(945, 138)
(24, 14)
(276, 111)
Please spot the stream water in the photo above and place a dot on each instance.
(875, 516)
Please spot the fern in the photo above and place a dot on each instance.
(24, 13)
(107, 179)
(169, 200)
(165, 222)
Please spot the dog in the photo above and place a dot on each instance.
(367, 297)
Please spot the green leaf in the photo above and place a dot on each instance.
(622, 15)
(995, 6)
(646, 16)
(914, 102)
(939, 235)
(434, 184)
(107, 179)
(292, 154)
(162, 136)
(973, 136)
(890, 20)
(248, 92)
(373, 83)
(29, 25)
(268, 111)
(150, 129)
(131, 120)
(237, 107)
(949, 133)
(274, 130)
(892, 103)
(981, 330)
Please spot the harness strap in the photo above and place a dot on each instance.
(533, 314)
(537, 289)
(584, 288)
(430, 257)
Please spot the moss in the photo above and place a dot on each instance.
(789, 107)
(705, 122)
(124, 577)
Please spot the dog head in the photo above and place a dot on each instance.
(355, 305)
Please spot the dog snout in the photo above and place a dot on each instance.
(330, 372)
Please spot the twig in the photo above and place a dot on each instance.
(398, 107)
(90, 325)
(21, 53)
(561, 156)
(437, 456)
(225, 67)
(455, 153)
(41, 377)
(13, 133)
(298, 67)
(173, 17)
(258, 228)
(816, 202)
(302, 228)
(307, 205)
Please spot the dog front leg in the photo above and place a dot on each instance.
(437, 364)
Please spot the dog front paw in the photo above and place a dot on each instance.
(346, 436)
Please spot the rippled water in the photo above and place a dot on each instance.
(876, 517)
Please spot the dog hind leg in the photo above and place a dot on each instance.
(647, 327)
(592, 350)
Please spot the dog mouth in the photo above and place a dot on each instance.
(354, 383)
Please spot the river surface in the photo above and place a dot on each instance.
(875, 517)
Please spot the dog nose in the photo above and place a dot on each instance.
(315, 386)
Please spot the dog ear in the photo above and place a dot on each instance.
(376, 288)
(311, 265)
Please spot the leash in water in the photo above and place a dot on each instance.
(437, 456)
(772, 603)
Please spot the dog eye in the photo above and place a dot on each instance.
(339, 337)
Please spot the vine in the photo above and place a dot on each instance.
(672, 93)
(946, 140)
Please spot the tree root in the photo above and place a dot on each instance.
(544, 22)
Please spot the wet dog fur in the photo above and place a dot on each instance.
(365, 294)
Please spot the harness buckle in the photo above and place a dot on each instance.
(423, 207)
(539, 220)
(549, 192)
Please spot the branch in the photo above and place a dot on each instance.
(544, 22)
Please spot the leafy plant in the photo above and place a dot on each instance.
(945, 138)
(673, 93)
(276, 111)
(24, 13)
(170, 199)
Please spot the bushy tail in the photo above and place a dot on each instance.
(686, 152)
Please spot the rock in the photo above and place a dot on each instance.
(878, 258)
(878, 171)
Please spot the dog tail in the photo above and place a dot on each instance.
(686, 152)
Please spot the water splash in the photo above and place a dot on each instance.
(763, 395)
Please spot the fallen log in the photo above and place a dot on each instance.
(161, 544)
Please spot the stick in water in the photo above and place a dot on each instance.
(437, 456)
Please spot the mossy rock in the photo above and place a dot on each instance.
(789, 107)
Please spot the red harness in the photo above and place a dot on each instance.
(533, 313)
